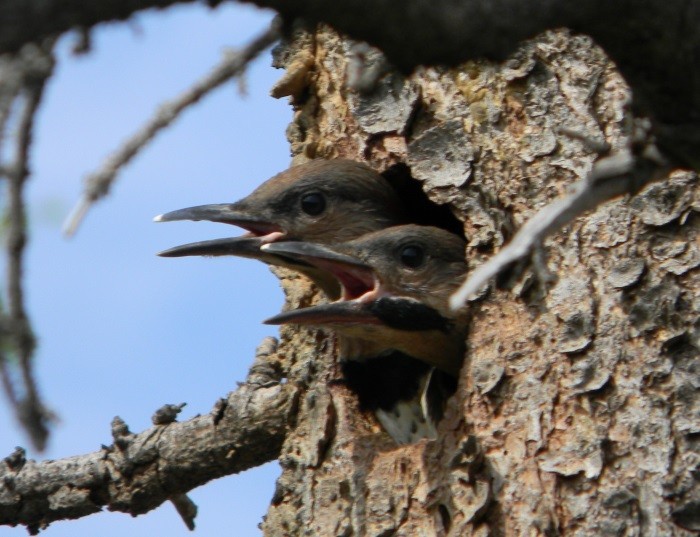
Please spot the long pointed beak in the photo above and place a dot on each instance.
(226, 213)
(239, 246)
(356, 277)
(311, 250)
(394, 312)
(327, 315)
(248, 247)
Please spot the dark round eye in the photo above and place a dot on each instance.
(313, 204)
(412, 256)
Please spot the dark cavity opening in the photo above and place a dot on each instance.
(445, 517)
(421, 210)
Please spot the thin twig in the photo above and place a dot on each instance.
(7, 97)
(593, 144)
(610, 177)
(9, 89)
(7, 385)
(11, 77)
(97, 184)
(37, 65)
(186, 508)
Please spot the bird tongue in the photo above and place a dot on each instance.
(259, 229)
(265, 237)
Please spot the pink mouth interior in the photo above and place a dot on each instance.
(357, 281)
(266, 232)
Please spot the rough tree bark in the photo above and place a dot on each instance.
(578, 409)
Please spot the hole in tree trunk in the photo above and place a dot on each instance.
(421, 210)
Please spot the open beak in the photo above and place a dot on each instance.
(363, 300)
(357, 279)
(260, 232)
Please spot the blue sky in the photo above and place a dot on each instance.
(121, 331)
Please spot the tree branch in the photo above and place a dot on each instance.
(26, 76)
(138, 472)
(97, 184)
(24, 21)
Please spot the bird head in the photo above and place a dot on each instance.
(322, 201)
(395, 284)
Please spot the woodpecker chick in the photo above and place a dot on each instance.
(396, 284)
(393, 321)
(322, 201)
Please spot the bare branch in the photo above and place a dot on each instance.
(24, 21)
(29, 72)
(97, 184)
(610, 177)
(186, 508)
(138, 472)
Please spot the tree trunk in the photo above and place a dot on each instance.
(578, 409)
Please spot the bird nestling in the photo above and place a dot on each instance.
(322, 201)
(396, 284)
(393, 310)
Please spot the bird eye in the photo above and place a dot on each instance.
(313, 204)
(412, 256)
